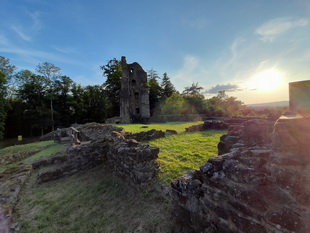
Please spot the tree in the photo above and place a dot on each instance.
(224, 105)
(194, 99)
(7, 70)
(194, 89)
(48, 70)
(155, 91)
(51, 73)
(33, 92)
(113, 72)
(95, 103)
(175, 104)
(3, 103)
(62, 99)
(167, 87)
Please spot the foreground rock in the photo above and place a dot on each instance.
(262, 186)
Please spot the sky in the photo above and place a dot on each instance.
(251, 49)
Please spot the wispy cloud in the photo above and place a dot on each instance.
(192, 70)
(272, 29)
(29, 27)
(223, 87)
(36, 54)
(65, 50)
(36, 21)
(21, 34)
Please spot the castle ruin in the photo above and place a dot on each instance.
(134, 95)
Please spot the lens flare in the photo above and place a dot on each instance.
(266, 80)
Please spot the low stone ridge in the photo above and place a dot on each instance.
(127, 157)
(96, 131)
(11, 182)
(171, 131)
(145, 135)
(263, 186)
(209, 124)
(219, 123)
(255, 132)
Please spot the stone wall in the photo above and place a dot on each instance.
(261, 186)
(254, 132)
(106, 144)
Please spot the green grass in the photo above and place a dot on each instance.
(27, 153)
(182, 152)
(96, 201)
(92, 201)
(186, 151)
(178, 126)
(51, 150)
(27, 148)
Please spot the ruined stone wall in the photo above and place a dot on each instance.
(260, 186)
(134, 94)
(128, 158)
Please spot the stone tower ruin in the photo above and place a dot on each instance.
(134, 95)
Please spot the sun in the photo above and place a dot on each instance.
(266, 80)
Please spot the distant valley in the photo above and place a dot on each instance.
(277, 104)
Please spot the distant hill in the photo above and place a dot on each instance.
(269, 105)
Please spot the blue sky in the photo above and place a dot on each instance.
(251, 49)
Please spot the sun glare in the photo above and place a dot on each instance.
(266, 80)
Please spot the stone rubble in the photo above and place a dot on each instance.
(261, 186)
(106, 143)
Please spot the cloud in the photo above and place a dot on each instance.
(21, 34)
(192, 70)
(36, 54)
(36, 22)
(223, 87)
(65, 50)
(272, 29)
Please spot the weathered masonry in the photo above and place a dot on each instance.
(134, 95)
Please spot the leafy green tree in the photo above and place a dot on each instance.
(62, 99)
(155, 91)
(33, 92)
(95, 103)
(224, 105)
(51, 73)
(88, 104)
(48, 70)
(167, 87)
(194, 89)
(113, 72)
(6, 68)
(3, 103)
(195, 100)
(175, 104)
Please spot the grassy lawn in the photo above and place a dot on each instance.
(27, 153)
(91, 201)
(182, 152)
(178, 126)
(95, 200)
(185, 151)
